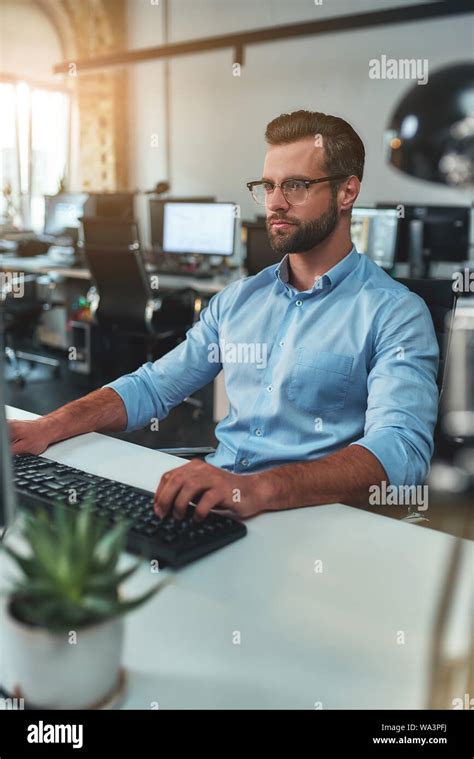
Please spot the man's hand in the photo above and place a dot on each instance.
(211, 488)
(32, 436)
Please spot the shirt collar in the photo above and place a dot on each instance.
(331, 278)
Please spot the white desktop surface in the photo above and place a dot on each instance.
(46, 265)
(305, 637)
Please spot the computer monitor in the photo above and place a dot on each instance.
(62, 212)
(259, 252)
(112, 205)
(432, 233)
(374, 232)
(199, 228)
(157, 212)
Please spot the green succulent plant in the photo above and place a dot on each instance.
(70, 577)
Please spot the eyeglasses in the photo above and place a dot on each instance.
(295, 191)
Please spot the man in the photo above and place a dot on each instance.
(330, 365)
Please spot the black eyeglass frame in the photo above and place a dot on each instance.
(306, 182)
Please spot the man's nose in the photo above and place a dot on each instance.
(276, 201)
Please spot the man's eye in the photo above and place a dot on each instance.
(267, 186)
(294, 184)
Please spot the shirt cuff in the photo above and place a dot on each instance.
(136, 399)
(402, 464)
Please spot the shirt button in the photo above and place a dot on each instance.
(244, 462)
(258, 432)
(299, 303)
(281, 343)
(270, 388)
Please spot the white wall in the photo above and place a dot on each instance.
(218, 120)
(29, 44)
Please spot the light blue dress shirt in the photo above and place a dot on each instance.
(352, 360)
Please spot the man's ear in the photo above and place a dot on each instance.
(348, 193)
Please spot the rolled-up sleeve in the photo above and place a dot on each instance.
(156, 387)
(402, 404)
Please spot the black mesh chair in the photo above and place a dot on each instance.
(441, 300)
(127, 307)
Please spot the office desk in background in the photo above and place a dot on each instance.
(310, 633)
(47, 265)
(77, 281)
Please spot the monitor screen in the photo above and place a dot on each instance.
(157, 210)
(63, 212)
(446, 231)
(199, 228)
(374, 232)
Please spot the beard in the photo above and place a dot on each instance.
(307, 234)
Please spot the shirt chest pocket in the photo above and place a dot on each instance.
(319, 381)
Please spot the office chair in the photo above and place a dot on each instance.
(21, 316)
(127, 306)
(441, 300)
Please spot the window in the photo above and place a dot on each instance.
(34, 149)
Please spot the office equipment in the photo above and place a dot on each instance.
(21, 315)
(258, 251)
(374, 233)
(136, 321)
(30, 248)
(293, 619)
(39, 481)
(114, 205)
(199, 229)
(62, 212)
(441, 300)
(109, 233)
(127, 301)
(157, 209)
(431, 233)
(458, 402)
(81, 341)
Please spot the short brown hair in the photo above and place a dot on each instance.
(343, 149)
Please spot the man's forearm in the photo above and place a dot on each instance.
(342, 477)
(100, 411)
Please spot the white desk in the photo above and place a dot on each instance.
(306, 637)
(47, 265)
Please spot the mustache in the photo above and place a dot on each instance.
(272, 219)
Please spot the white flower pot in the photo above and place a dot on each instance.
(54, 672)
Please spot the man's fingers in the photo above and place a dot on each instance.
(208, 501)
(170, 484)
(188, 492)
(18, 447)
(165, 495)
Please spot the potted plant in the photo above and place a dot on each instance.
(65, 611)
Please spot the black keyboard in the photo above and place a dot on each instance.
(41, 482)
